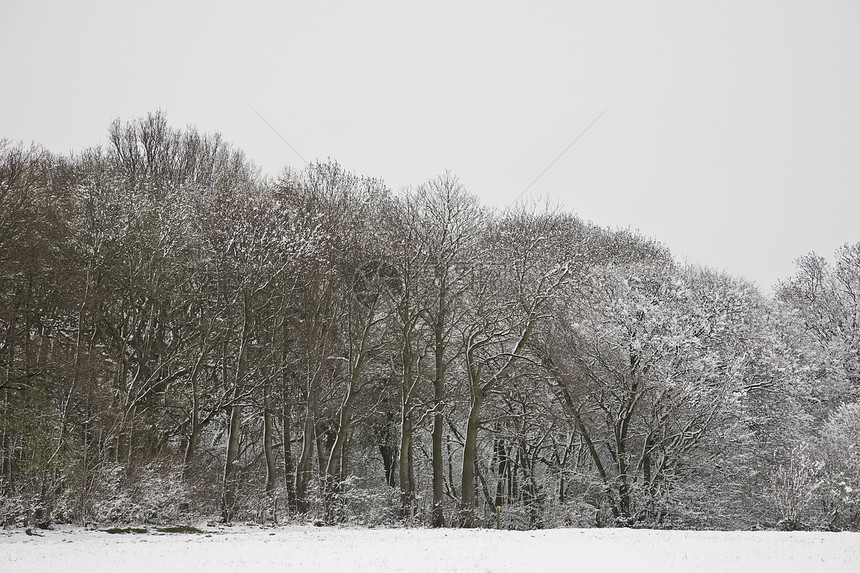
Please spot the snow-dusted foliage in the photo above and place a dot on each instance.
(182, 338)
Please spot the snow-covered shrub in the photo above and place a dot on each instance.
(570, 513)
(360, 503)
(153, 493)
(15, 511)
(842, 502)
(840, 450)
(795, 486)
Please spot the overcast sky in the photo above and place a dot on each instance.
(731, 131)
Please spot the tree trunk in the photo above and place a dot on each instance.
(624, 494)
(502, 472)
(389, 455)
(333, 471)
(289, 464)
(191, 446)
(438, 516)
(196, 426)
(268, 450)
(407, 481)
(228, 503)
(304, 469)
(6, 450)
(228, 509)
(467, 500)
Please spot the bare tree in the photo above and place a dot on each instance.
(448, 223)
(512, 296)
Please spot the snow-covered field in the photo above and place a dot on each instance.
(295, 548)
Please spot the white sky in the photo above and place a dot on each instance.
(732, 133)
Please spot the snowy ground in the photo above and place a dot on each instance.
(295, 548)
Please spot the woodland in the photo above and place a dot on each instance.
(184, 339)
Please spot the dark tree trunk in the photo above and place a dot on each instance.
(467, 500)
(438, 516)
(268, 450)
(289, 464)
(228, 502)
(502, 472)
(407, 481)
(388, 453)
(304, 469)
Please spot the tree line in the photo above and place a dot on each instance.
(182, 337)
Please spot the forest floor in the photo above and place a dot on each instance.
(316, 549)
